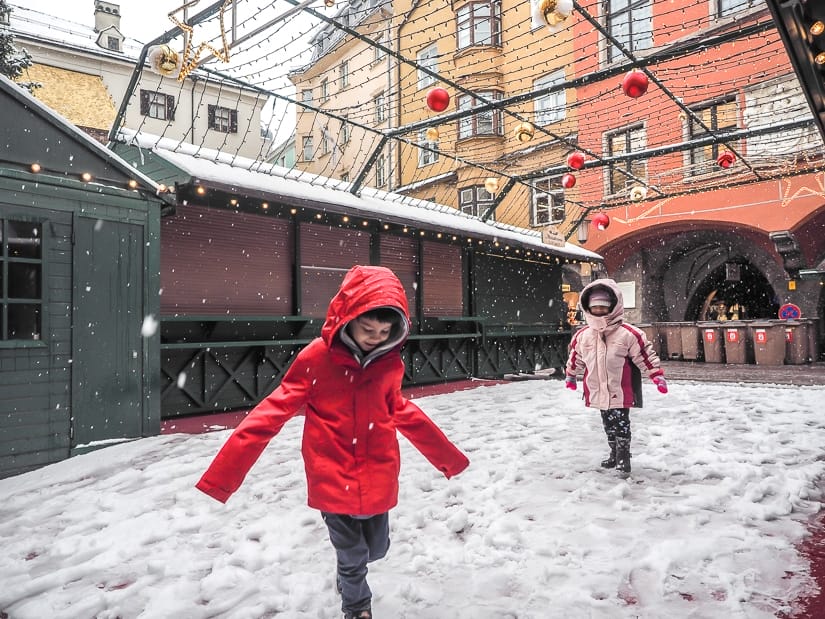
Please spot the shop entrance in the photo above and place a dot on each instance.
(734, 290)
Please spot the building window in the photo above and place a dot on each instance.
(343, 74)
(324, 90)
(157, 105)
(346, 132)
(378, 53)
(381, 171)
(21, 280)
(307, 152)
(483, 123)
(380, 108)
(222, 119)
(306, 95)
(475, 200)
(625, 142)
(113, 43)
(551, 107)
(428, 59)
(728, 7)
(548, 201)
(718, 116)
(479, 23)
(426, 157)
(345, 177)
(631, 24)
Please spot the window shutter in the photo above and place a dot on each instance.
(443, 273)
(170, 107)
(210, 115)
(233, 121)
(204, 271)
(400, 255)
(144, 102)
(327, 253)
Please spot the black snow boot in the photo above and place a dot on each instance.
(623, 456)
(611, 459)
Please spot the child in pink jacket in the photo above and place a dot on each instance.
(611, 354)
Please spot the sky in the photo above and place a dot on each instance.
(708, 524)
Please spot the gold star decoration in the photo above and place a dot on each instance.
(191, 58)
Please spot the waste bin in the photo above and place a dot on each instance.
(691, 342)
(796, 342)
(673, 338)
(713, 341)
(737, 343)
(651, 332)
(768, 342)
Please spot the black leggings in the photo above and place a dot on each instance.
(616, 422)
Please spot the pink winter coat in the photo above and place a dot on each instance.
(610, 353)
(353, 409)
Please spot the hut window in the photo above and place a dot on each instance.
(21, 280)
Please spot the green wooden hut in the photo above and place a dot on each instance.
(254, 252)
(79, 277)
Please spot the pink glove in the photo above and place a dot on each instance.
(570, 383)
(661, 384)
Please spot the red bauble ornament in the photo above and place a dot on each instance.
(601, 221)
(568, 181)
(725, 159)
(635, 84)
(438, 99)
(575, 160)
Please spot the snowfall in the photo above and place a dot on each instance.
(708, 525)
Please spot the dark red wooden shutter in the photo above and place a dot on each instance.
(443, 269)
(210, 116)
(327, 253)
(400, 254)
(170, 107)
(144, 102)
(215, 262)
(233, 121)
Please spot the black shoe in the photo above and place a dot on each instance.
(611, 459)
(358, 614)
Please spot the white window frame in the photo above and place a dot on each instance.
(426, 157)
(552, 107)
(380, 108)
(427, 58)
(307, 148)
(547, 201)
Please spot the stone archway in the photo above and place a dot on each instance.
(676, 273)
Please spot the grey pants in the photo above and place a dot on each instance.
(357, 541)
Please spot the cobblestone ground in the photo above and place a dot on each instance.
(807, 374)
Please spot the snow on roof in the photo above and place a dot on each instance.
(214, 166)
(65, 125)
(28, 23)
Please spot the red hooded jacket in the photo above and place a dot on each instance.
(353, 408)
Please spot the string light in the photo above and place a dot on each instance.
(35, 167)
(86, 177)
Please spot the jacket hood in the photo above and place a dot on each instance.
(616, 314)
(367, 288)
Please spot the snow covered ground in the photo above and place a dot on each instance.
(724, 478)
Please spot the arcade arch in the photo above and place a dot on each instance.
(680, 275)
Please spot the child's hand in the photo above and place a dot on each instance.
(570, 382)
(661, 384)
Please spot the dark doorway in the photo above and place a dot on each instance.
(737, 291)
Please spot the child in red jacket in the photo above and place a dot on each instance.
(349, 383)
